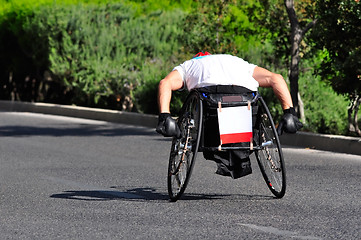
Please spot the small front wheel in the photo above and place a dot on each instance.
(270, 157)
(184, 150)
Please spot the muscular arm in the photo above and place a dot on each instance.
(266, 78)
(173, 81)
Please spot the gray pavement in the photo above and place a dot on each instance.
(334, 143)
(71, 178)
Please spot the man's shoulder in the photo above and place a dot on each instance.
(224, 58)
(212, 60)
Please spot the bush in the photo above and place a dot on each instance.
(95, 54)
(112, 55)
(325, 110)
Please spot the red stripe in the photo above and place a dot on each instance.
(236, 137)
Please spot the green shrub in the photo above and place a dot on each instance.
(325, 110)
(112, 55)
(95, 53)
(104, 49)
(146, 94)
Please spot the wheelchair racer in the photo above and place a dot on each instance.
(221, 69)
(205, 69)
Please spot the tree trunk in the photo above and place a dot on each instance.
(302, 109)
(351, 127)
(296, 38)
(297, 35)
(353, 115)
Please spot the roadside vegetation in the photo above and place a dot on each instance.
(112, 54)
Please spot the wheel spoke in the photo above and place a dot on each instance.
(270, 157)
(184, 150)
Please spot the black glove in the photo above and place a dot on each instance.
(289, 122)
(167, 126)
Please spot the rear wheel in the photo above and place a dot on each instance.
(270, 157)
(184, 150)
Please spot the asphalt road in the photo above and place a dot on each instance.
(67, 178)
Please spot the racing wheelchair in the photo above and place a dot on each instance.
(193, 115)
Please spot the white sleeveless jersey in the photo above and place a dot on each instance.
(218, 69)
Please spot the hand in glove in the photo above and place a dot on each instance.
(167, 126)
(289, 122)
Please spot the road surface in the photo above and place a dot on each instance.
(68, 178)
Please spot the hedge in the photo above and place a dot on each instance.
(93, 55)
(113, 55)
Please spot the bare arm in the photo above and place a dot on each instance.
(266, 78)
(173, 81)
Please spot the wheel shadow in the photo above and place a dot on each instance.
(149, 194)
(135, 194)
(82, 130)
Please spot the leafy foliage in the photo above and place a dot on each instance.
(225, 27)
(276, 21)
(325, 110)
(339, 34)
(96, 53)
(112, 55)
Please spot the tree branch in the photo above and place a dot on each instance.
(309, 26)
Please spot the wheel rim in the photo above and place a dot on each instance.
(184, 150)
(270, 158)
(179, 167)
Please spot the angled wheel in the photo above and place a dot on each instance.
(184, 150)
(270, 157)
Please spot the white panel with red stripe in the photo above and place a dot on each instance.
(235, 124)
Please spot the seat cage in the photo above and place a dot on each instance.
(214, 97)
(198, 122)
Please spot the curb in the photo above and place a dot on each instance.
(333, 143)
(138, 119)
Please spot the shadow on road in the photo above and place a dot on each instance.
(83, 130)
(148, 194)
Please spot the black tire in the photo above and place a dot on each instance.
(270, 157)
(184, 150)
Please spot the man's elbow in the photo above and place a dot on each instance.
(276, 79)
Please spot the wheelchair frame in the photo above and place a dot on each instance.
(265, 144)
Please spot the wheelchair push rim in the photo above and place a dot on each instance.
(184, 150)
(269, 156)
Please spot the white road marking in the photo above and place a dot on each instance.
(56, 117)
(342, 156)
(279, 232)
